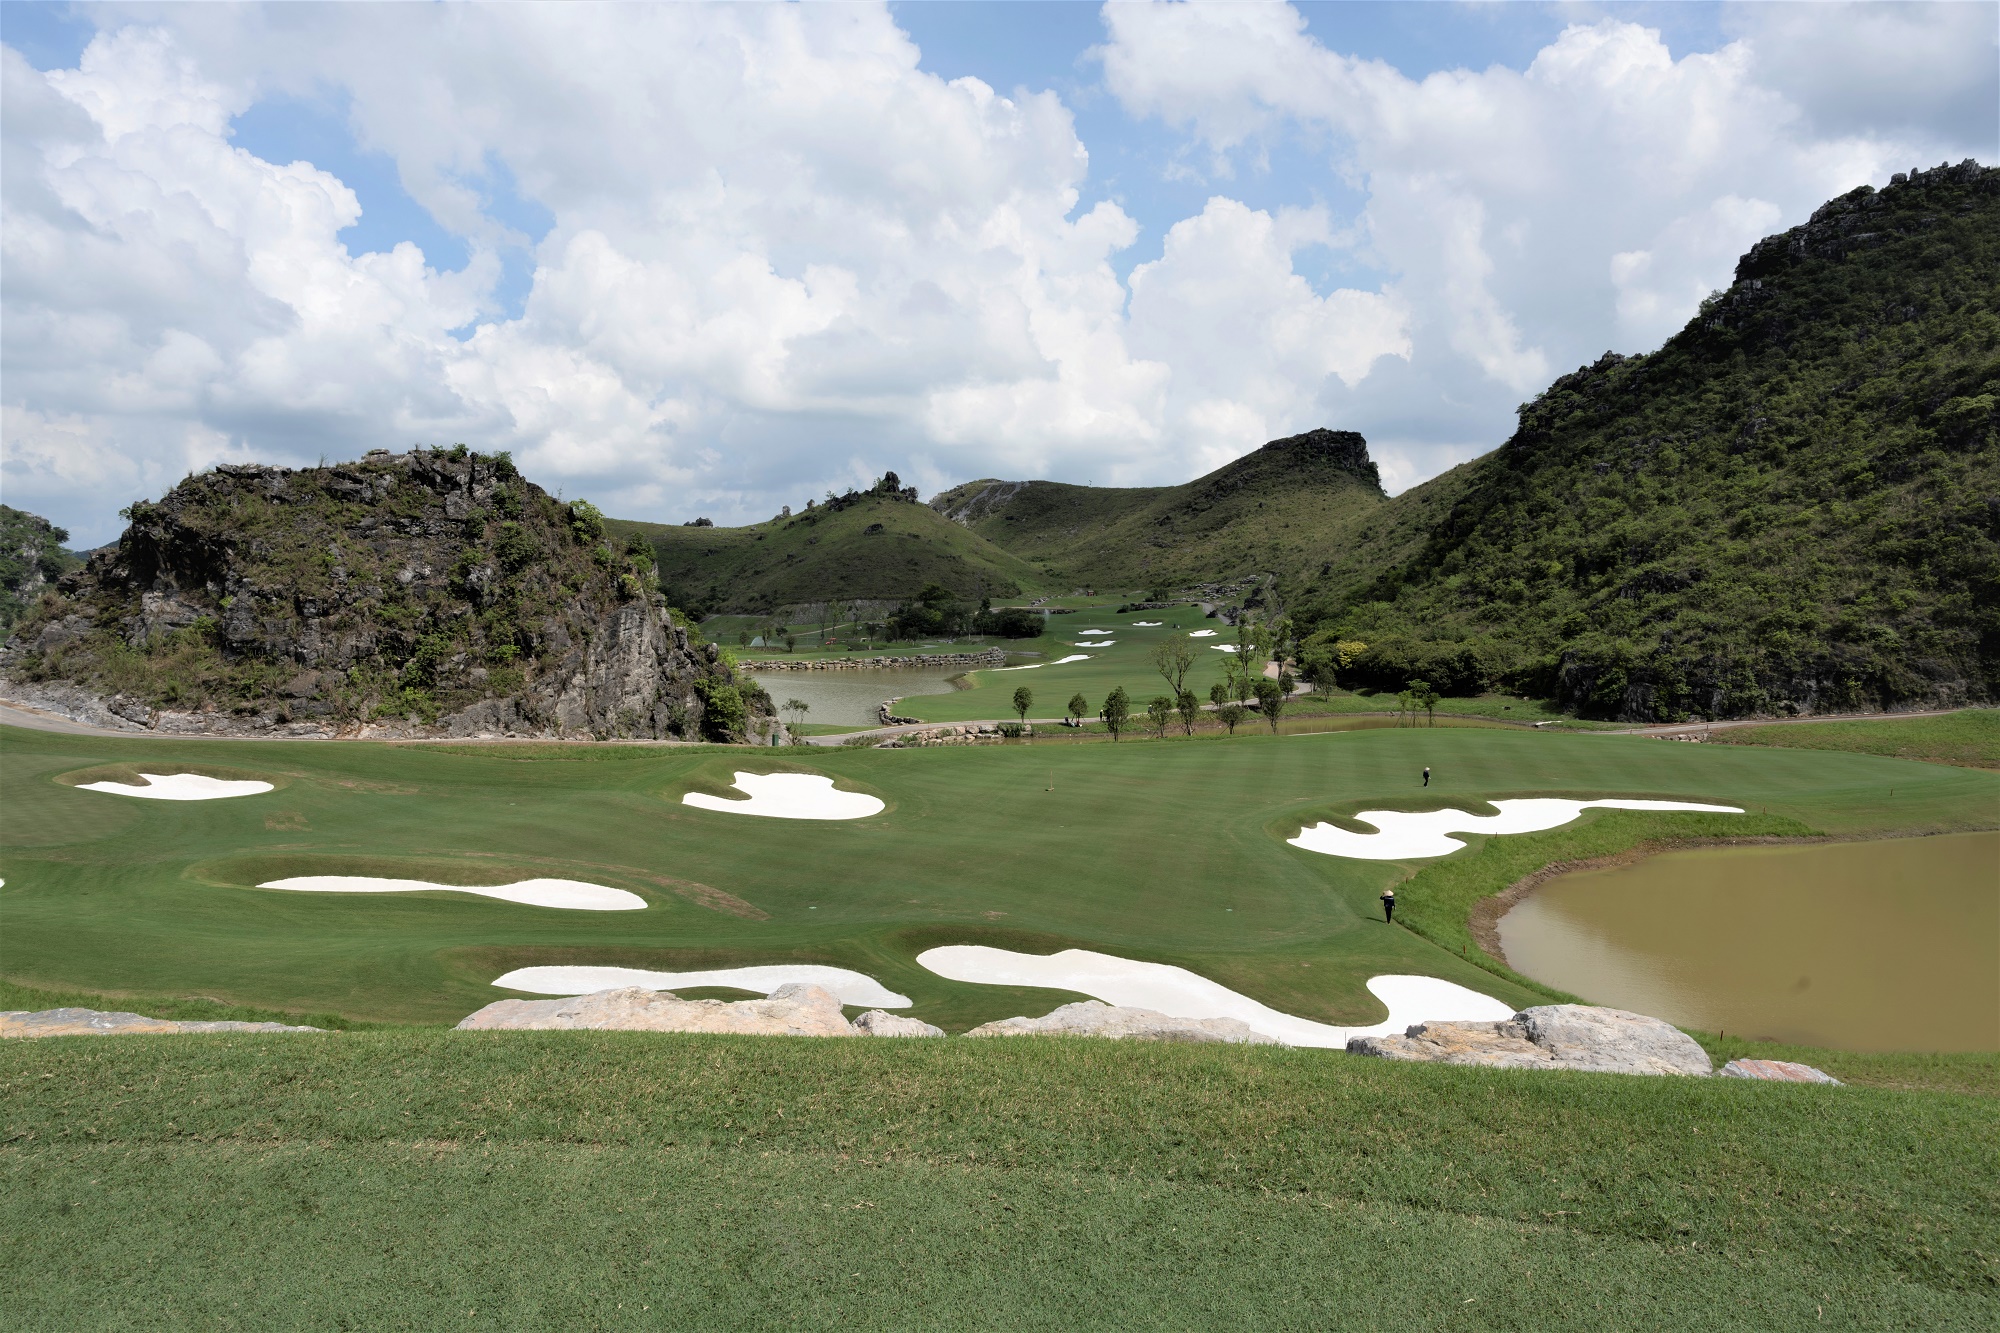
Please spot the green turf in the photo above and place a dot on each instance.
(609, 1180)
(1170, 852)
(1970, 737)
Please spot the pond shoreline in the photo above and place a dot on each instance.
(1484, 922)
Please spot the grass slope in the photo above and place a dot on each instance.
(1970, 737)
(876, 549)
(611, 1180)
(1281, 509)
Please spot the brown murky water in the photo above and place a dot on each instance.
(1867, 946)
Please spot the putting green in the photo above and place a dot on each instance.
(1171, 852)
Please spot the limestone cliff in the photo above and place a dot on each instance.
(435, 592)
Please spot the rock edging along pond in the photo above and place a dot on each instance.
(991, 657)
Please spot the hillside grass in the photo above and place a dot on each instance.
(1970, 737)
(820, 555)
(622, 1180)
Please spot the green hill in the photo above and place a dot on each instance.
(878, 544)
(1793, 505)
(1279, 509)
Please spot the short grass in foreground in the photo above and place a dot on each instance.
(565, 1180)
(1970, 737)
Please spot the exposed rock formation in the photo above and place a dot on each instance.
(1781, 1071)
(1555, 1036)
(1093, 1018)
(435, 592)
(100, 1022)
(796, 1010)
(878, 1023)
(32, 558)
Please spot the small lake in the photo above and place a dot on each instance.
(849, 698)
(1864, 946)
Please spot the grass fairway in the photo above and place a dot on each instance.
(604, 1180)
(1171, 852)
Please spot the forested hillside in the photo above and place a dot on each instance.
(1793, 505)
(1278, 510)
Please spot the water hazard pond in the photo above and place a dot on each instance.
(1866, 946)
(850, 697)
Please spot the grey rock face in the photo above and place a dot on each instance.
(876, 1023)
(1781, 1071)
(797, 1010)
(1093, 1018)
(100, 1022)
(1555, 1036)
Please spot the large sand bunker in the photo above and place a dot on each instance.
(1093, 631)
(1202, 634)
(1060, 661)
(1405, 833)
(790, 796)
(572, 894)
(1183, 994)
(1148, 624)
(852, 987)
(180, 787)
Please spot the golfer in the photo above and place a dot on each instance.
(1389, 906)
(1427, 777)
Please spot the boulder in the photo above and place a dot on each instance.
(1783, 1071)
(796, 1010)
(1553, 1036)
(99, 1022)
(877, 1023)
(1093, 1018)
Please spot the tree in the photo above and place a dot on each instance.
(1247, 657)
(743, 638)
(1271, 700)
(791, 644)
(798, 708)
(1173, 658)
(1117, 711)
(1424, 697)
(1159, 712)
(1189, 708)
(1232, 715)
(1024, 699)
(1079, 708)
(1218, 694)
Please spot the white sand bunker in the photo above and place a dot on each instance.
(573, 894)
(1095, 643)
(180, 787)
(1183, 994)
(851, 987)
(1202, 634)
(1148, 624)
(790, 796)
(1093, 631)
(1406, 833)
(1223, 647)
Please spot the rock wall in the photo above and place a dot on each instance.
(991, 657)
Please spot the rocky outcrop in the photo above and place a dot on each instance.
(797, 1010)
(431, 593)
(1556, 1036)
(1093, 1018)
(1779, 1071)
(878, 1023)
(970, 733)
(100, 1022)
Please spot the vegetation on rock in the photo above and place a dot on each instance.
(436, 588)
(32, 558)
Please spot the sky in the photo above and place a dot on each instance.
(691, 260)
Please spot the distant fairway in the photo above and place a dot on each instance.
(1172, 852)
